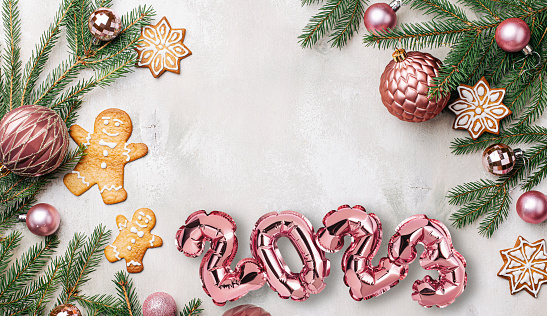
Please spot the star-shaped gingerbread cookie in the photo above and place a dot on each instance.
(525, 266)
(161, 48)
(134, 239)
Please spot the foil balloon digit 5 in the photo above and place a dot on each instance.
(218, 280)
(364, 280)
(298, 286)
(439, 254)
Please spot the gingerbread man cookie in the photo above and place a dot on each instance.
(105, 157)
(134, 239)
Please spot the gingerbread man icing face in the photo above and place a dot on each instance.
(134, 239)
(106, 155)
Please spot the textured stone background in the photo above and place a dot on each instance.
(256, 124)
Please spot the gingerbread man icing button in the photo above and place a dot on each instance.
(106, 155)
(134, 239)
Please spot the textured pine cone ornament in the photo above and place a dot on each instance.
(33, 141)
(405, 83)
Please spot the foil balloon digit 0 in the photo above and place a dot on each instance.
(298, 286)
(218, 280)
(364, 280)
(439, 254)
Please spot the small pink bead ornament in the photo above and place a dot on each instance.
(42, 219)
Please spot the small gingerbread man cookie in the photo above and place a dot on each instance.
(134, 239)
(105, 157)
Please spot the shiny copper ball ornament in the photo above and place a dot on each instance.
(500, 159)
(104, 24)
(405, 83)
(65, 310)
(246, 310)
(33, 141)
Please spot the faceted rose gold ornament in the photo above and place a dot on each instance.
(33, 141)
(405, 83)
(65, 310)
(104, 24)
(500, 159)
(246, 310)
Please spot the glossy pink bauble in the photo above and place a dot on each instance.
(159, 304)
(33, 140)
(532, 207)
(43, 219)
(246, 310)
(512, 35)
(380, 17)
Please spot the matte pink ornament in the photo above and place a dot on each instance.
(381, 16)
(404, 86)
(219, 281)
(42, 219)
(33, 140)
(532, 207)
(159, 304)
(246, 310)
(513, 35)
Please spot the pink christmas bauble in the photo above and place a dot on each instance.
(512, 35)
(380, 17)
(498, 159)
(532, 207)
(404, 86)
(246, 310)
(43, 219)
(104, 24)
(159, 304)
(33, 140)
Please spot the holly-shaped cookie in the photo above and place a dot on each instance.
(105, 157)
(134, 239)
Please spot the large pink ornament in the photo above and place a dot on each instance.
(381, 16)
(288, 284)
(513, 35)
(218, 280)
(365, 281)
(246, 310)
(532, 207)
(33, 140)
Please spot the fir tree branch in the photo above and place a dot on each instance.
(12, 61)
(321, 23)
(192, 308)
(127, 294)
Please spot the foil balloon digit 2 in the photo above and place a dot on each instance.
(297, 286)
(218, 280)
(364, 280)
(439, 254)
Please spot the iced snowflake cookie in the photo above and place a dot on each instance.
(134, 239)
(105, 157)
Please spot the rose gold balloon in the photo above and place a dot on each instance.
(218, 280)
(33, 140)
(246, 310)
(297, 286)
(365, 281)
(439, 254)
(404, 86)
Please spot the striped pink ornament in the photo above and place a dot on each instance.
(33, 140)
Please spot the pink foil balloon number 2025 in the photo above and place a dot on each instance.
(364, 280)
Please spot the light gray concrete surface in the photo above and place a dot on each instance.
(255, 124)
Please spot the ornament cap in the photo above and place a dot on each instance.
(527, 50)
(395, 5)
(4, 171)
(22, 218)
(399, 55)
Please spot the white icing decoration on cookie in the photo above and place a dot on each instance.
(141, 226)
(141, 213)
(116, 252)
(129, 248)
(146, 221)
(126, 153)
(87, 140)
(103, 165)
(134, 263)
(105, 153)
(135, 231)
(149, 217)
(116, 124)
(109, 134)
(105, 122)
(122, 225)
(112, 187)
(118, 121)
(152, 241)
(140, 218)
(80, 177)
(133, 241)
(103, 143)
(106, 117)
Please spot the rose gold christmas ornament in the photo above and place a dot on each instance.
(246, 310)
(405, 83)
(104, 24)
(33, 141)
